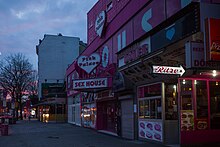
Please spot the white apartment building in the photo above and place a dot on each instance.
(55, 54)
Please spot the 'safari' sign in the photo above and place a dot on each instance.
(168, 70)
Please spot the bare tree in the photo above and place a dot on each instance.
(15, 77)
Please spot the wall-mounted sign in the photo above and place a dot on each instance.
(179, 29)
(100, 23)
(151, 130)
(88, 63)
(213, 39)
(134, 52)
(71, 92)
(168, 70)
(146, 26)
(118, 82)
(90, 83)
(105, 56)
(195, 53)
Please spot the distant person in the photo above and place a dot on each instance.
(29, 117)
(24, 116)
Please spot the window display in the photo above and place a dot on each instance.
(150, 101)
(187, 112)
(89, 115)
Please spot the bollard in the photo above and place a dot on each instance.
(4, 129)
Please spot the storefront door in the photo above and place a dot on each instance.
(106, 113)
(111, 117)
(199, 110)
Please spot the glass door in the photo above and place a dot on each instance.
(199, 104)
(201, 107)
(186, 105)
(214, 92)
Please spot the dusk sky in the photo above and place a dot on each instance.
(24, 22)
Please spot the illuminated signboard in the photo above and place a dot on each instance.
(90, 83)
(89, 63)
(168, 70)
(213, 39)
(195, 54)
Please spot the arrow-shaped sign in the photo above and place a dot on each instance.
(168, 70)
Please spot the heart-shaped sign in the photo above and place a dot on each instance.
(100, 22)
(88, 63)
(170, 33)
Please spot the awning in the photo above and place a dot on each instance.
(51, 101)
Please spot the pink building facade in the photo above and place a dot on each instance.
(144, 70)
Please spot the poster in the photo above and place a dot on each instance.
(187, 120)
(151, 130)
(213, 39)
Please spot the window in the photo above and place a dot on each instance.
(73, 114)
(141, 109)
(150, 108)
(187, 111)
(121, 39)
(153, 90)
(201, 99)
(69, 82)
(214, 91)
(149, 98)
(186, 95)
(171, 102)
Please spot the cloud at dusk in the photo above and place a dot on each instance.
(24, 22)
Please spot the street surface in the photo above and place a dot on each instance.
(37, 134)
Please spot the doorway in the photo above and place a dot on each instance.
(199, 101)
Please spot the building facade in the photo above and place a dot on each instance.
(55, 54)
(171, 67)
(151, 75)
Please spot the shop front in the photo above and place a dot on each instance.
(123, 88)
(89, 110)
(52, 110)
(176, 105)
(74, 109)
(199, 99)
(107, 112)
(98, 106)
(158, 112)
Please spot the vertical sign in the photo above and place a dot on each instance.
(195, 54)
(213, 39)
(100, 23)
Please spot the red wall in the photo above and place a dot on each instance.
(125, 15)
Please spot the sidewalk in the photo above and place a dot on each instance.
(37, 134)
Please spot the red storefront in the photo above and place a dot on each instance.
(175, 72)
(143, 37)
(199, 99)
(95, 70)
